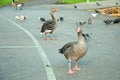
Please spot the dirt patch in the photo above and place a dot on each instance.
(110, 11)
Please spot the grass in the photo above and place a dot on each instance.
(8, 2)
(74, 1)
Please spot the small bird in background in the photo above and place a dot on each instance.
(98, 4)
(75, 6)
(21, 17)
(87, 36)
(17, 4)
(97, 11)
(116, 21)
(108, 21)
(61, 19)
(116, 3)
(42, 19)
(89, 21)
(94, 15)
(82, 23)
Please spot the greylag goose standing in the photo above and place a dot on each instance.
(50, 25)
(74, 51)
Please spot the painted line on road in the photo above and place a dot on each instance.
(7, 47)
(49, 70)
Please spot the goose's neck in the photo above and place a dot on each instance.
(80, 39)
(53, 16)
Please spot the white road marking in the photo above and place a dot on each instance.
(49, 70)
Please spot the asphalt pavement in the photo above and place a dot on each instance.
(25, 55)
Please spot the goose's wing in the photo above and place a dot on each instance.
(66, 46)
(48, 25)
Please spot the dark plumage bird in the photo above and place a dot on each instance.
(117, 20)
(42, 19)
(74, 51)
(116, 3)
(97, 3)
(108, 21)
(97, 11)
(87, 36)
(50, 25)
(75, 6)
(61, 19)
(17, 4)
(82, 23)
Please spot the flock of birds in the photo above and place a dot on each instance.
(115, 21)
(71, 50)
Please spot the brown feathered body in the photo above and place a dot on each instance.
(74, 50)
(50, 25)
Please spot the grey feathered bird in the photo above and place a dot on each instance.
(74, 51)
(50, 25)
(61, 19)
(108, 21)
(117, 20)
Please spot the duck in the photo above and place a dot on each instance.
(17, 4)
(74, 51)
(49, 26)
(21, 17)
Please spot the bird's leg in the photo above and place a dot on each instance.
(52, 37)
(76, 68)
(45, 37)
(69, 69)
(20, 7)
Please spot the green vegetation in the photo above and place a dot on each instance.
(8, 2)
(73, 1)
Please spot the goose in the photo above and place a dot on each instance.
(74, 51)
(50, 25)
(17, 4)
